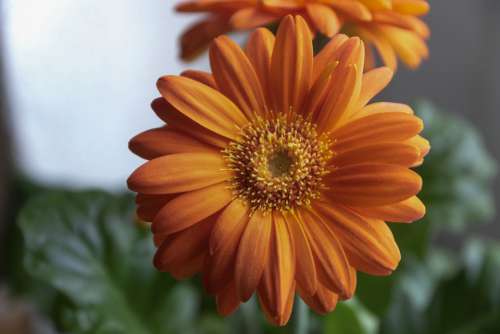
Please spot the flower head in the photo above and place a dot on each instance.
(275, 175)
(392, 28)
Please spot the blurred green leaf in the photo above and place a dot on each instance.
(436, 298)
(457, 173)
(87, 246)
(350, 318)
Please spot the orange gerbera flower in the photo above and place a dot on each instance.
(391, 27)
(274, 175)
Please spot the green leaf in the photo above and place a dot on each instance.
(438, 298)
(350, 318)
(457, 173)
(87, 246)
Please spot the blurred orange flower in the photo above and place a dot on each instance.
(275, 175)
(391, 27)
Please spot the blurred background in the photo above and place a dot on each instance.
(77, 77)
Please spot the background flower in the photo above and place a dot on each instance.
(391, 27)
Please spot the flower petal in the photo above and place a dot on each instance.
(328, 55)
(291, 66)
(323, 302)
(278, 278)
(331, 261)
(411, 7)
(395, 153)
(200, 76)
(183, 246)
(180, 172)
(236, 77)
(278, 318)
(344, 87)
(227, 300)
(409, 46)
(251, 17)
(259, 50)
(305, 273)
(253, 253)
(162, 141)
(184, 124)
(324, 18)
(203, 104)
(374, 82)
(229, 222)
(377, 127)
(354, 9)
(406, 211)
(190, 208)
(197, 37)
(369, 243)
(369, 185)
(224, 241)
(383, 46)
(148, 206)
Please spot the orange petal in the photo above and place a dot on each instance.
(423, 146)
(353, 281)
(369, 185)
(158, 142)
(202, 104)
(411, 7)
(328, 55)
(354, 9)
(323, 302)
(306, 270)
(190, 208)
(196, 38)
(253, 254)
(323, 18)
(377, 127)
(395, 153)
(381, 107)
(230, 221)
(383, 46)
(259, 50)
(224, 241)
(236, 77)
(406, 211)
(291, 65)
(149, 205)
(201, 76)
(181, 123)
(409, 46)
(369, 243)
(251, 17)
(278, 319)
(227, 300)
(278, 278)
(344, 87)
(183, 246)
(374, 82)
(189, 267)
(377, 4)
(331, 262)
(180, 172)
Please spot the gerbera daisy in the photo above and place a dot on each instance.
(391, 27)
(274, 175)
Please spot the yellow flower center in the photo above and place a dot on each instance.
(279, 163)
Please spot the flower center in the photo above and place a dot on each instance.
(279, 163)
